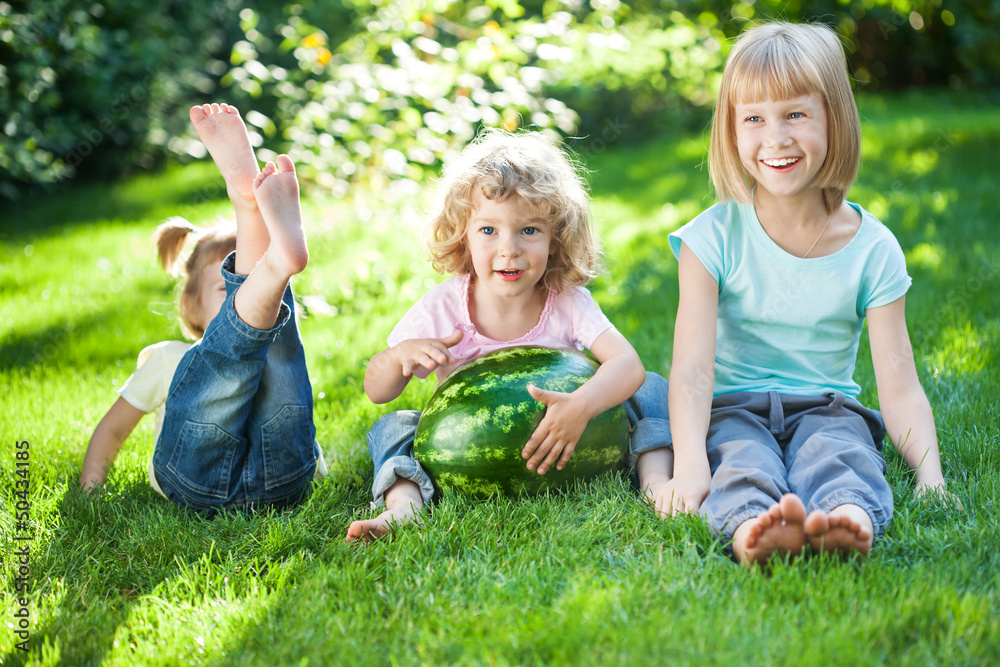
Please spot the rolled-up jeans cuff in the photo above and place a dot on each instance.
(879, 518)
(649, 434)
(401, 467)
(233, 282)
(727, 528)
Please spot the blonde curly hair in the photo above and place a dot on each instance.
(528, 166)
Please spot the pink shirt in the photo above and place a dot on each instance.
(570, 318)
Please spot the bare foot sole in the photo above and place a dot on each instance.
(224, 134)
(841, 531)
(778, 531)
(369, 530)
(276, 189)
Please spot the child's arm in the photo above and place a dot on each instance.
(907, 414)
(390, 370)
(108, 437)
(692, 384)
(567, 415)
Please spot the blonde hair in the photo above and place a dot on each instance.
(211, 244)
(780, 61)
(500, 165)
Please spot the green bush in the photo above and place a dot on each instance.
(895, 44)
(386, 103)
(382, 90)
(411, 83)
(97, 88)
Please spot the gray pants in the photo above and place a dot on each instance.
(826, 449)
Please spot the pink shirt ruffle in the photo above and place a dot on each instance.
(570, 319)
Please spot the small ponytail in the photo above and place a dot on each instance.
(169, 239)
(210, 244)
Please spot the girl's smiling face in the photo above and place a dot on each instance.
(783, 144)
(510, 246)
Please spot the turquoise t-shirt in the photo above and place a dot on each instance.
(785, 323)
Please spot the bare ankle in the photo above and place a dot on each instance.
(403, 493)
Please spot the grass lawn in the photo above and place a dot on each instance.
(588, 576)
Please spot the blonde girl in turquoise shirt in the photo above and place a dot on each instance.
(770, 443)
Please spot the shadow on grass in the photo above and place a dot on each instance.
(91, 335)
(114, 557)
(466, 575)
(169, 191)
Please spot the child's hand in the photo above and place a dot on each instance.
(427, 353)
(677, 496)
(559, 431)
(931, 492)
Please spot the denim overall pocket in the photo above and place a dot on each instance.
(289, 448)
(203, 460)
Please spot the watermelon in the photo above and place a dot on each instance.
(470, 435)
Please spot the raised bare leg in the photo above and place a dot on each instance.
(276, 191)
(846, 529)
(224, 134)
(778, 531)
(402, 502)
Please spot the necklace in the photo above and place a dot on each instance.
(753, 202)
(825, 225)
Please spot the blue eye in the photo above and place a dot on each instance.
(753, 119)
(796, 114)
(530, 231)
(487, 230)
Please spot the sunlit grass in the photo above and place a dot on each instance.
(585, 577)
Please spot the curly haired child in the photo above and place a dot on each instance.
(514, 227)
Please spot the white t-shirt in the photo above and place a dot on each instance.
(147, 388)
(570, 319)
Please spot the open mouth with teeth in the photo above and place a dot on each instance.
(782, 163)
(510, 274)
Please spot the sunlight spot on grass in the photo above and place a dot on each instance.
(962, 351)
(925, 256)
(878, 206)
(918, 163)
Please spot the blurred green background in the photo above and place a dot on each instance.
(379, 92)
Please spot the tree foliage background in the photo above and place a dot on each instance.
(381, 91)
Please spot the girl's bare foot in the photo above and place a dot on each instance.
(276, 190)
(780, 530)
(845, 530)
(402, 502)
(224, 134)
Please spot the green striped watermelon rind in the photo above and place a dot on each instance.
(486, 401)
